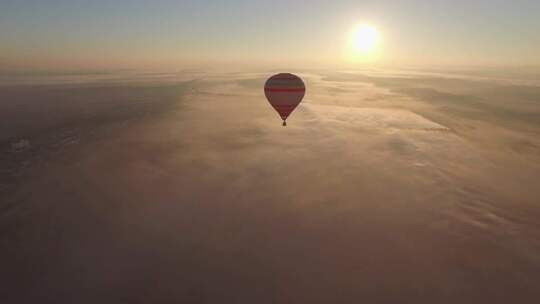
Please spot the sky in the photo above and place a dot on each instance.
(77, 34)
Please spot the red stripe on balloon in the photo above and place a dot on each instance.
(284, 89)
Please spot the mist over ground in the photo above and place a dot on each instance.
(386, 187)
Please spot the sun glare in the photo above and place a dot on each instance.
(364, 39)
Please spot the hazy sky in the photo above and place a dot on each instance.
(166, 33)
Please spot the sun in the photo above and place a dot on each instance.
(364, 39)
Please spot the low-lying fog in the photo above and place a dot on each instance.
(386, 187)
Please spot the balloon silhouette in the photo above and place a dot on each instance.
(284, 92)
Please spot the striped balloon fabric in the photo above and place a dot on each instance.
(284, 92)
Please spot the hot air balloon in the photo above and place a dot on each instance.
(284, 92)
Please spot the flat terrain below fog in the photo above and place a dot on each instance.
(386, 187)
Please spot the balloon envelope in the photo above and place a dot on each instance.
(284, 92)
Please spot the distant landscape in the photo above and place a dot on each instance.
(131, 187)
